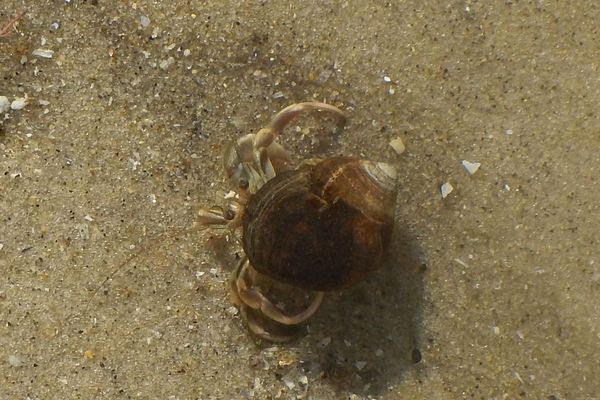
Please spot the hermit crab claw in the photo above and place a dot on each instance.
(256, 158)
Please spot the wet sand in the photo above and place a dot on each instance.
(109, 290)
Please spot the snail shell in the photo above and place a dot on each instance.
(324, 226)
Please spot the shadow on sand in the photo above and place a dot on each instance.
(365, 338)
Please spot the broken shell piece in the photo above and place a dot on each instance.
(230, 195)
(44, 53)
(144, 21)
(397, 145)
(471, 167)
(4, 104)
(15, 361)
(18, 104)
(446, 189)
(360, 365)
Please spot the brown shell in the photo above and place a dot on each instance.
(323, 226)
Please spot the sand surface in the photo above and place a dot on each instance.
(109, 290)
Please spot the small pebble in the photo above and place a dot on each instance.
(303, 381)
(4, 104)
(360, 365)
(446, 189)
(18, 103)
(416, 356)
(232, 310)
(509, 131)
(15, 361)
(144, 21)
(164, 64)
(397, 145)
(520, 335)
(288, 382)
(230, 195)
(471, 167)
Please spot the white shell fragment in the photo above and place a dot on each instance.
(164, 64)
(446, 189)
(471, 167)
(360, 365)
(230, 195)
(15, 361)
(43, 53)
(144, 21)
(4, 104)
(18, 104)
(397, 145)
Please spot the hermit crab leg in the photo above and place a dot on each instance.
(243, 279)
(266, 136)
(256, 326)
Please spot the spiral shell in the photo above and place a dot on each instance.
(324, 226)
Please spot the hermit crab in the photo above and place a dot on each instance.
(323, 225)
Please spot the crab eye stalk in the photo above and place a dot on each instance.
(229, 215)
(243, 183)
